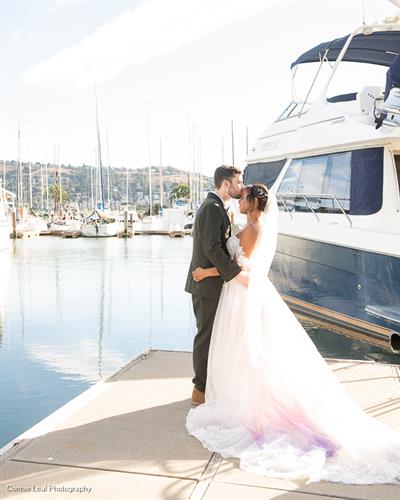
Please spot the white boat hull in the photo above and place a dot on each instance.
(4, 236)
(5, 226)
(100, 230)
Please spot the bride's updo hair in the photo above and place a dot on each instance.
(257, 192)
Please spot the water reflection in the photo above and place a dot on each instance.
(333, 345)
(77, 310)
(4, 277)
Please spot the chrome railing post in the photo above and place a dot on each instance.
(342, 209)
(310, 207)
(305, 195)
(284, 204)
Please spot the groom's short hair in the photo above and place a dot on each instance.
(224, 172)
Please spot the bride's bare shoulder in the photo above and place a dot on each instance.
(248, 237)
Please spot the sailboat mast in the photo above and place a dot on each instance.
(91, 180)
(41, 188)
(20, 200)
(191, 200)
(108, 173)
(149, 158)
(59, 179)
(55, 177)
(194, 178)
(30, 185)
(161, 177)
(233, 144)
(201, 187)
(127, 186)
(47, 187)
(101, 185)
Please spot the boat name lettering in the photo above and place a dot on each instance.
(267, 146)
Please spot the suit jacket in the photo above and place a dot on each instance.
(210, 232)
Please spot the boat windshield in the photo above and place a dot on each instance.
(293, 109)
(309, 81)
(353, 77)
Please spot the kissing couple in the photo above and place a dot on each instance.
(262, 391)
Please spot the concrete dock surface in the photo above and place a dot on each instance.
(128, 441)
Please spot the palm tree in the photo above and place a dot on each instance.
(59, 195)
(181, 191)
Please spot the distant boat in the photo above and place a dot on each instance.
(130, 210)
(6, 204)
(32, 223)
(98, 225)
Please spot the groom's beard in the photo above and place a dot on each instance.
(235, 195)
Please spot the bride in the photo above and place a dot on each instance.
(271, 399)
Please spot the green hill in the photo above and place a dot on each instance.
(80, 181)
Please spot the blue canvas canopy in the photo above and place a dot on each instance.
(380, 47)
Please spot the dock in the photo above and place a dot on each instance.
(24, 235)
(159, 232)
(125, 438)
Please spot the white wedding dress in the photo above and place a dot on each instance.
(271, 399)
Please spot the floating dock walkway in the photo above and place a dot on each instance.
(125, 438)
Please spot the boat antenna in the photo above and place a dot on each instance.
(363, 11)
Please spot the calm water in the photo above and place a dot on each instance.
(74, 311)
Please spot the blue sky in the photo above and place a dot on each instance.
(199, 65)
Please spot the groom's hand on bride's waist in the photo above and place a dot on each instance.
(243, 278)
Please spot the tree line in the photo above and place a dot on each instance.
(52, 185)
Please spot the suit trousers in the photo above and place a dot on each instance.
(204, 311)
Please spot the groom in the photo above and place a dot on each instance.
(210, 232)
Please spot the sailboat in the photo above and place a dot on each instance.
(100, 224)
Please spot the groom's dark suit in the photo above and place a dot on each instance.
(210, 232)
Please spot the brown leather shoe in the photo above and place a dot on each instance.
(198, 397)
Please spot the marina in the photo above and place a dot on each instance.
(73, 311)
(96, 330)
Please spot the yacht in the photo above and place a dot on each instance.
(333, 161)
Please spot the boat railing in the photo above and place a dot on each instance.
(307, 197)
(293, 110)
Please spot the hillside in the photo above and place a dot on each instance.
(79, 180)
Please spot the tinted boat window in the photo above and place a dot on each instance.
(263, 172)
(327, 175)
(290, 183)
(351, 181)
(366, 181)
(397, 162)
